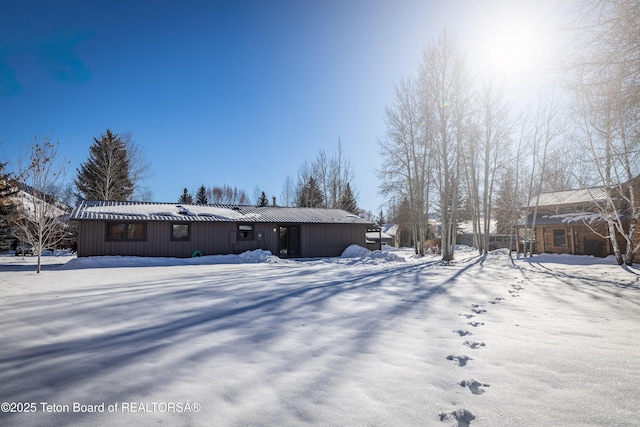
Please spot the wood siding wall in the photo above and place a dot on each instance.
(316, 240)
(577, 237)
(329, 240)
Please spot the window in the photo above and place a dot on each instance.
(180, 232)
(126, 231)
(559, 238)
(136, 231)
(116, 231)
(245, 232)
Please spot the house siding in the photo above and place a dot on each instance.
(328, 240)
(580, 239)
(316, 240)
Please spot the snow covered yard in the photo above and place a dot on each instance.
(378, 339)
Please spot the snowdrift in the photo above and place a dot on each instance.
(248, 257)
(359, 255)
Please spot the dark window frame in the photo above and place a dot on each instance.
(246, 235)
(173, 236)
(128, 225)
(559, 237)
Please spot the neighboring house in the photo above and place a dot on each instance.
(180, 230)
(496, 241)
(435, 225)
(466, 227)
(567, 222)
(27, 199)
(384, 236)
(389, 232)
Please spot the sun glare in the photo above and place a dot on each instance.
(513, 48)
(512, 45)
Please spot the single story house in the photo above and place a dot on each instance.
(566, 222)
(181, 230)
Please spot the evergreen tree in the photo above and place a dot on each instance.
(380, 219)
(348, 200)
(402, 218)
(8, 189)
(201, 196)
(106, 174)
(185, 198)
(310, 195)
(263, 201)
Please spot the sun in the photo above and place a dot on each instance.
(513, 45)
(513, 48)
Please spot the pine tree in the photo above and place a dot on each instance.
(310, 195)
(263, 201)
(185, 198)
(106, 174)
(380, 219)
(201, 196)
(8, 189)
(348, 200)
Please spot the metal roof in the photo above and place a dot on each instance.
(89, 210)
(562, 219)
(570, 197)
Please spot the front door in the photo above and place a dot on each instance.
(289, 241)
(593, 247)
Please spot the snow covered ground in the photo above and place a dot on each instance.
(379, 339)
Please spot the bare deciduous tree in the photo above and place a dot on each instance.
(542, 130)
(405, 173)
(445, 85)
(606, 84)
(227, 195)
(331, 174)
(485, 156)
(288, 194)
(41, 220)
(139, 168)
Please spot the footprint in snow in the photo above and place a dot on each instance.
(460, 358)
(462, 332)
(462, 416)
(496, 300)
(474, 386)
(477, 308)
(468, 316)
(474, 344)
(475, 324)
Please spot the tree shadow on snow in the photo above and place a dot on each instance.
(131, 333)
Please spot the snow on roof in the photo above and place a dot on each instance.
(570, 197)
(116, 210)
(466, 227)
(29, 199)
(148, 211)
(568, 218)
(390, 229)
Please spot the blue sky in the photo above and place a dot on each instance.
(237, 92)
